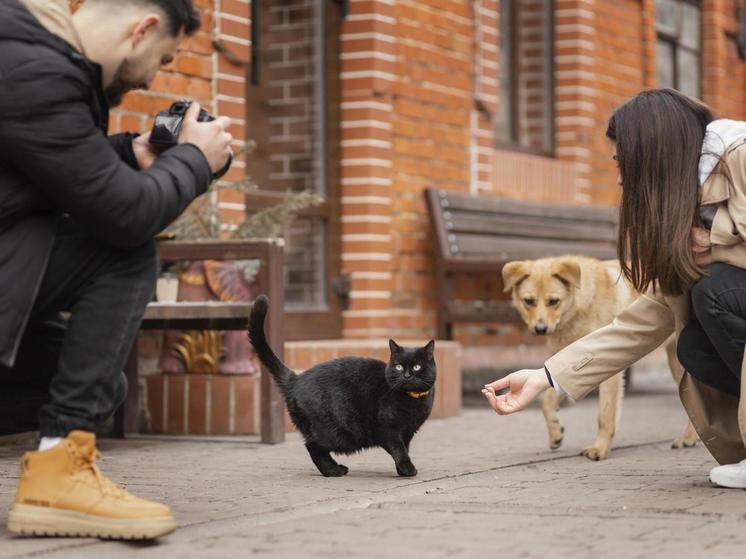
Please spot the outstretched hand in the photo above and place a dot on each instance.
(523, 388)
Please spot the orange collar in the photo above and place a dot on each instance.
(418, 394)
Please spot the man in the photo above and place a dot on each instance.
(78, 212)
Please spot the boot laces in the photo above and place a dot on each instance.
(87, 463)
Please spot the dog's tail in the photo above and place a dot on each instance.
(277, 368)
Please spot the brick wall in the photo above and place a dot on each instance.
(420, 83)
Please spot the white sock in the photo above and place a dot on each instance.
(49, 442)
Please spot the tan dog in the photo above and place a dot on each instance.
(564, 299)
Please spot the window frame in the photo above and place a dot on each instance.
(548, 38)
(674, 41)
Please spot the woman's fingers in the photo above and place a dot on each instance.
(499, 384)
(502, 404)
(491, 398)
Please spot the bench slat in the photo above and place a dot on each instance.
(515, 226)
(505, 249)
(197, 309)
(453, 201)
(202, 315)
(479, 311)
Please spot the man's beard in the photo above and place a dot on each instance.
(121, 84)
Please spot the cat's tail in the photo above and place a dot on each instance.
(277, 368)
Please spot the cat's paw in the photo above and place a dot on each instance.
(337, 471)
(406, 469)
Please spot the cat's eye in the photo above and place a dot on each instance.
(399, 367)
(552, 302)
(417, 367)
(529, 301)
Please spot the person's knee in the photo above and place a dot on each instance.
(142, 264)
(703, 297)
(146, 256)
(685, 347)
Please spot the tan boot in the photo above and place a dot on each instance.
(63, 493)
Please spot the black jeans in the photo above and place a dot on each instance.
(711, 346)
(68, 374)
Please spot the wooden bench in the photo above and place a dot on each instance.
(214, 315)
(479, 234)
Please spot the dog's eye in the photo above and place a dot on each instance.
(399, 367)
(416, 368)
(552, 302)
(529, 302)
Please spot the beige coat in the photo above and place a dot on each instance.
(718, 417)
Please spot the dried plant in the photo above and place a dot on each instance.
(199, 351)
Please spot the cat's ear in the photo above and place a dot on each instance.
(394, 347)
(430, 349)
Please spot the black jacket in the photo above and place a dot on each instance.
(55, 159)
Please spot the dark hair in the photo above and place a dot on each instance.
(658, 137)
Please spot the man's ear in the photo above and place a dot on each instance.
(514, 273)
(147, 25)
(567, 271)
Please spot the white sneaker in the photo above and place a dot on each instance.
(730, 475)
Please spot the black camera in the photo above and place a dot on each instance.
(167, 127)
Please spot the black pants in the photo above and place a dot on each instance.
(68, 374)
(711, 346)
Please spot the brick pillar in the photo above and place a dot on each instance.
(486, 92)
(368, 45)
(648, 43)
(233, 27)
(575, 89)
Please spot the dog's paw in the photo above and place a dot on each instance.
(556, 437)
(596, 453)
(685, 442)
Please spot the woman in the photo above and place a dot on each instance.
(682, 243)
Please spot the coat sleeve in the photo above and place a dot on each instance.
(122, 144)
(736, 161)
(638, 330)
(49, 136)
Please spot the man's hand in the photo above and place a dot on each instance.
(210, 137)
(144, 152)
(523, 387)
(701, 246)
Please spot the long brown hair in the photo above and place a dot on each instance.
(658, 137)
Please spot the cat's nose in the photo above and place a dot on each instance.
(407, 374)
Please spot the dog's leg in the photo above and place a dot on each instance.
(690, 436)
(688, 439)
(550, 407)
(609, 409)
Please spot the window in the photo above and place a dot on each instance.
(677, 23)
(525, 118)
(292, 105)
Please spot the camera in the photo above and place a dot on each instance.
(167, 127)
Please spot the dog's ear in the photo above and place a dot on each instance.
(514, 273)
(567, 271)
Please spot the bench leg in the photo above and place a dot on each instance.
(126, 418)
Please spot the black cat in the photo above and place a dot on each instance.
(349, 404)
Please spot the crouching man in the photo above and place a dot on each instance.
(78, 212)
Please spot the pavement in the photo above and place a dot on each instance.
(487, 486)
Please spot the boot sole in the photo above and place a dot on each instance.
(29, 520)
